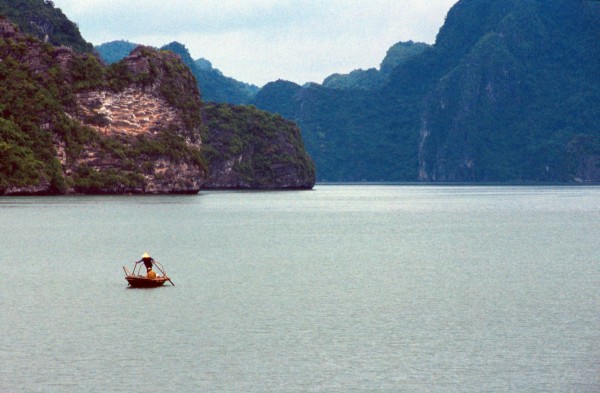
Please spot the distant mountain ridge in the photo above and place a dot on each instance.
(213, 85)
(115, 51)
(508, 93)
(374, 79)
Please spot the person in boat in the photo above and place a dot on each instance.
(148, 261)
(150, 273)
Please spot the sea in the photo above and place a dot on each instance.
(344, 288)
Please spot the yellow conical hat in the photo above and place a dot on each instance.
(145, 255)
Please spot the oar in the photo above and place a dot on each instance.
(163, 272)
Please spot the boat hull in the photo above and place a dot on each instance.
(143, 282)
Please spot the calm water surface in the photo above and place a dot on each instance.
(340, 289)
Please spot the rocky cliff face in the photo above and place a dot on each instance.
(481, 94)
(252, 149)
(144, 111)
(128, 112)
(69, 124)
(77, 126)
(512, 95)
(500, 97)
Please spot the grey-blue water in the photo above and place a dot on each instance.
(340, 289)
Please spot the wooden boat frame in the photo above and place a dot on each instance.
(137, 280)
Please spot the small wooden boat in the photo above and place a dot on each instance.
(145, 282)
(137, 280)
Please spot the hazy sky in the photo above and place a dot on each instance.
(258, 41)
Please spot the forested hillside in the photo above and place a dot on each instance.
(514, 103)
(247, 148)
(68, 124)
(43, 20)
(508, 93)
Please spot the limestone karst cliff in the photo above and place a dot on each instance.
(247, 148)
(156, 107)
(70, 124)
(508, 93)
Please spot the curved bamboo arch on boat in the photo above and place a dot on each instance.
(162, 270)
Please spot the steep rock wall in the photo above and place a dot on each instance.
(71, 125)
(144, 110)
(251, 149)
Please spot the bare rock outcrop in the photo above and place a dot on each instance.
(156, 114)
(7, 30)
(74, 125)
(128, 112)
(71, 124)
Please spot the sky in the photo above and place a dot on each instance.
(258, 41)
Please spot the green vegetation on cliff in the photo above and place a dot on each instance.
(518, 83)
(41, 19)
(69, 124)
(214, 86)
(399, 53)
(31, 102)
(373, 79)
(38, 90)
(508, 93)
(250, 148)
